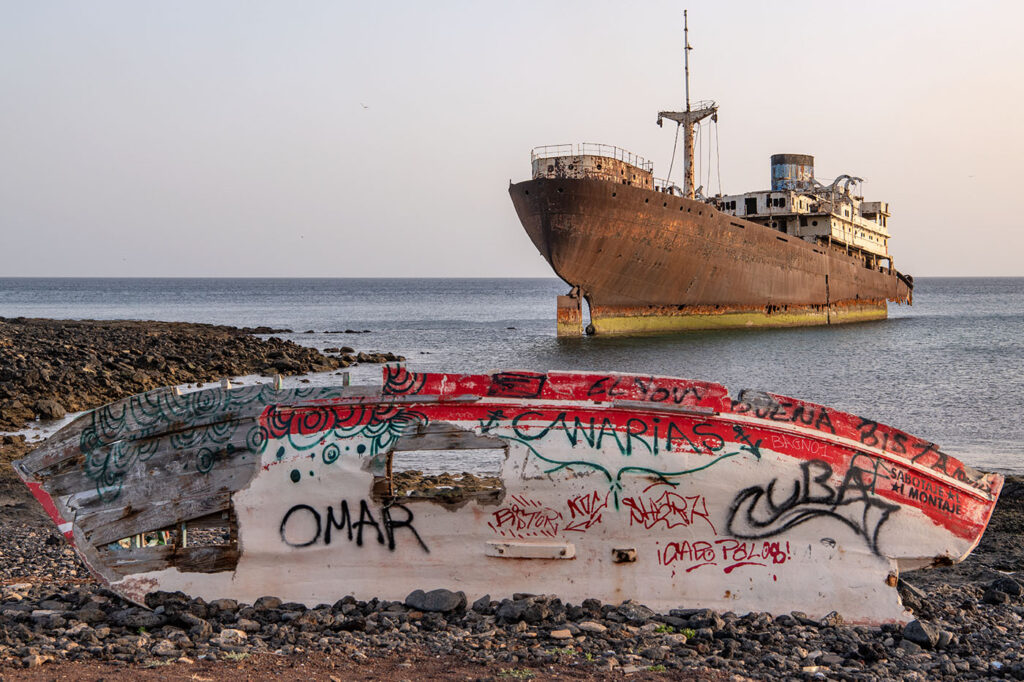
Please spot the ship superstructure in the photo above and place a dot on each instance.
(649, 256)
(832, 214)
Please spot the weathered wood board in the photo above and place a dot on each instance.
(614, 486)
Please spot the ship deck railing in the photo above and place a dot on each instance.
(667, 187)
(591, 149)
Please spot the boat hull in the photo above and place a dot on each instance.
(613, 486)
(647, 261)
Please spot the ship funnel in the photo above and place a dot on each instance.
(792, 172)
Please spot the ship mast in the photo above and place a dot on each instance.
(688, 118)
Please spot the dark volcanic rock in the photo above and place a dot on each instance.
(922, 634)
(635, 613)
(483, 604)
(441, 601)
(135, 618)
(49, 367)
(994, 596)
(1008, 585)
(527, 609)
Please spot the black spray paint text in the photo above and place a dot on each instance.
(304, 526)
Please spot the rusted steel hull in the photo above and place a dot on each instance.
(569, 317)
(649, 261)
(662, 490)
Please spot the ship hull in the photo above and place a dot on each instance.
(646, 261)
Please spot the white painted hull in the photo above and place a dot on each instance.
(615, 486)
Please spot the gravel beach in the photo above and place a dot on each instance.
(56, 622)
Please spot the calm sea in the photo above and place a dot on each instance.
(950, 368)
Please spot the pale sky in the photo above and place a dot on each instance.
(356, 139)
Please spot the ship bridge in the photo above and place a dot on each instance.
(832, 214)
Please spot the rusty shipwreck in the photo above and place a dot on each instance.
(615, 486)
(648, 256)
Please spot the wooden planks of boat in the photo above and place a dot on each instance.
(615, 486)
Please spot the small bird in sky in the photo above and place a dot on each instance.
(363, 106)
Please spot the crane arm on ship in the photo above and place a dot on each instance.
(847, 180)
(687, 119)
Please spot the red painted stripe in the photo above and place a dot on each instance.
(960, 513)
(559, 386)
(49, 507)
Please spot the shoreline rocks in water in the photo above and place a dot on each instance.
(50, 367)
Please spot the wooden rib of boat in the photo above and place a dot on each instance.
(615, 486)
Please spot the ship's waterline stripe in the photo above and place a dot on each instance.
(606, 321)
(843, 315)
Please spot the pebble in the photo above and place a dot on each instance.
(624, 638)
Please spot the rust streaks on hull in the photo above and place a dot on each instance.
(633, 249)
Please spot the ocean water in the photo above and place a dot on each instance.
(950, 368)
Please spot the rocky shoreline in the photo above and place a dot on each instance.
(55, 620)
(50, 367)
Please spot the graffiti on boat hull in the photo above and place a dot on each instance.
(612, 486)
(759, 512)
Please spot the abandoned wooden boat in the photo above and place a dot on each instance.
(615, 486)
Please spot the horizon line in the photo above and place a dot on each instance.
(386, 277)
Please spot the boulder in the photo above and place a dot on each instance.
(134, 618)
(923, 634)
(1008, 585)
(483, 604)
(436, 601)
(232, 636)
(267, 603)
(635, 613)
(995, 596)
(49, 409)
